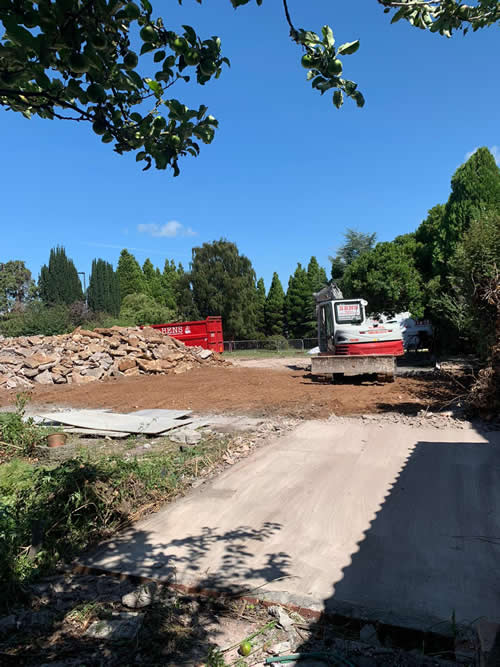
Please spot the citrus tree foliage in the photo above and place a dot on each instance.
(74, 60)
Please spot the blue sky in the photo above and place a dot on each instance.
(287, 172)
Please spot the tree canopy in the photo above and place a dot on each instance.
(223, 283)
(73, 60)
(274, 310)
(59, 281)
(16, 285)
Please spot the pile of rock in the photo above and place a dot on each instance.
(86, 356)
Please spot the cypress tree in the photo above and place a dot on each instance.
(316, 276)
(260, 324)
(298, 304)
(130, 275)
(103, 292)
(170, 279)
(59, 282)
(274, 309)
(475, 190)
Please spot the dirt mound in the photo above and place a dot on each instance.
(86, 356)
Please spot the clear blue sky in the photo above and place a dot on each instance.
(287, 172)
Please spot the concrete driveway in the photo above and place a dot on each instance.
(398, 521)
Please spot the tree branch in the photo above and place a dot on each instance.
(293, 30)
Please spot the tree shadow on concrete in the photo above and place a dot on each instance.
(426, 568)
(176, 629)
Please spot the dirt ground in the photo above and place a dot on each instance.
(288, 391)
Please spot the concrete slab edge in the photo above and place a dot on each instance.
(308, 608)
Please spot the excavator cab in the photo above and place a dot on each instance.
(345, 329)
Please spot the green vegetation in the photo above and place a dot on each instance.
(16, 285)
(274, 308)
(441, 270)
(103, 295)
(82, 68)
(224, 283)
(19, 435)
(59, 282)
(49, 512)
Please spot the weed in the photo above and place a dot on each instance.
(50, 513)
(19, 434)
(85, 613)
(215, 659)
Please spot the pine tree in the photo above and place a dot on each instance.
(130, 275)
(170, 278)
(298, 304)
(59, 282)
(274, 310)
(103, 293)
(260, 324)
(316, 275)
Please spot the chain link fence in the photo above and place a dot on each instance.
(278, 344)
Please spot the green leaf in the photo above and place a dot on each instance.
(338, 98)
(17, 33)
(155, 86)
(140, 156)
(358, 97)
(159, 55)
(348, 48)
(399, 14)
(190, 34)
(328, 35)
(147, 46)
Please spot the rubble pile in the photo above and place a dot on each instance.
(86, 356)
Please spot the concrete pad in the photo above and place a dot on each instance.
(402, 522)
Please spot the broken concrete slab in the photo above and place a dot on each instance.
(121, 627)
(110, 421)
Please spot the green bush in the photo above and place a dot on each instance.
(275, 343)
(37, 319)
(140, 309)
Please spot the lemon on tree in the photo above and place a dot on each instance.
(307, 60)
(96, 93)
(79, 63)
(191, 57)
(180, 45)
(148, 33)
(99, 126)
(130, 60)
(335, 67)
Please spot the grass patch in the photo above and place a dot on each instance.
(264, 354)
(19, 435)
(49, 513)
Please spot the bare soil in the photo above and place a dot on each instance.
(290, 392)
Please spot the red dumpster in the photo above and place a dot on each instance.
(204, 333)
